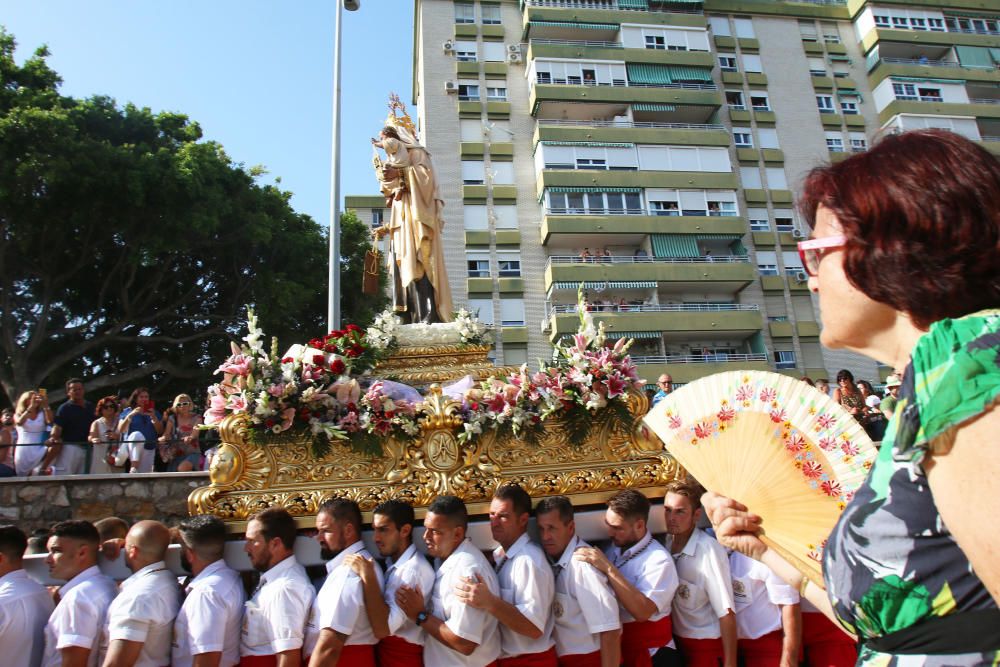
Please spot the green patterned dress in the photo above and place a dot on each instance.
(891, 562)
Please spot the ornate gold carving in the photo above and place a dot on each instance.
(247, 477)
(423, 365)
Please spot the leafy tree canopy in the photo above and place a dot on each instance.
(129, 245)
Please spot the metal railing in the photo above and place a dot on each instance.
(612, 4)
(712, 259)
(983, 100)
(596, 211)
(630, 124)
(698, 358)
(627, 84)
(932, 63)
(575, 42)
(990, 138)
(660, 308)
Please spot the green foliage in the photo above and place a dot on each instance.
(356, 307)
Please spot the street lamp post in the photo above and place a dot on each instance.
(333, 298)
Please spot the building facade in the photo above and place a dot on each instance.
(649, 150)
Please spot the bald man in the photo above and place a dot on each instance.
(141, 618)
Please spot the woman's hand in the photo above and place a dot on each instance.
(735, 527)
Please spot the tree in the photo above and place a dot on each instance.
(129, 246)
(355, 240)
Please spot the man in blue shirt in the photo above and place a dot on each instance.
(666, 385)
(71, 429)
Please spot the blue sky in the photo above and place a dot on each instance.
(257, 76)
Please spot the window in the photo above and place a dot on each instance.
(784, 359)
(936, 25)
(512, 312)
(742, 137)
(502, 173)
(751, 63)
(900, 23)
(543, 77)
(470, 129)
(466, 52)
(734, 98)
(768, 137)
(468, 92)
(720, 26)
(718, 208)
(783, 221)
(767, 262)
(474, 216)
(882, 21)
(510, 266)
(478, 264)
(759, 221)
(776, 178)
(491, 14)
(930, 94)
(473, 172)
(834, 142)
(505, 217)
(859, 143)
(817, 67)
(825, 103)
(655, 42)
(465, 12)
(496, 93)
(591, 163)
(849, 107)
(668, 208)
(727, 62)
(494, 52)
(744, 27)
(377, 214)
(759, 101)
(482, 308)
(807, 30)
(918, 24)
(751, 177)
(904, 91)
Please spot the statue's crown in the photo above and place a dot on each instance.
(398, 117)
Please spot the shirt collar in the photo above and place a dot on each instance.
(89, 573)
(690, 548)
(567, 555)
(149, 569)
(278, 569)
(209, 570)
(638, 546)
(409, 553)
(463, 547)
(338, 560)
(14, 576)
(516, 548)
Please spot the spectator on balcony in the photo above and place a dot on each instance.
(888, 406)
(141, 417)
(32, 418)
(585, 255)
(848, 396)
(72, 426)
(104, 436)
(665, 385)
(7, 435)
(179, 442)
(640, 254)
(823, 385)
(606, 255)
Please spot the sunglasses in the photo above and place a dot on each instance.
(812, 251)
(183, 403)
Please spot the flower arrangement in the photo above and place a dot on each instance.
(470, 330)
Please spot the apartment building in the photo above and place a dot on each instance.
(649, 149)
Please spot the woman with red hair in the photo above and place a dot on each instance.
(904, 256)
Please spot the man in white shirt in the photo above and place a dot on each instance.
(140, 620)
(460, 635)
(25, 605)
(72, 635)
(207, 629)
(768, 616)
(401, 642)
(643, 577)
(527, 586)
(274, 618)
(338, 631)
(587, 631)
(703, 617)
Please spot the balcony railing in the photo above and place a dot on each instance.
(613, 4)
(597, 211)
(629, 124)
(990, 138)
(660, 308)
(628, 84)
(574, 42)
(698, 358)
(932, 63)
(984, 100)
(712, 259)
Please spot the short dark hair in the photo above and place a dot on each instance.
(920, 214)
(844, 374)
(398, 511)
(77, 529)
(111, 527)
(342, 509)
(630, 504)
(73, 381)
(559, 504)
(688, 488)
(451, 507)
(13, 542)
(204, 534)
(519, 499)
(277, 522)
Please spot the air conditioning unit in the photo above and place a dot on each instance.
(514, 48)
(450, 87)
(798, 234)
(801, 276)
(448, 46)
(514, 58)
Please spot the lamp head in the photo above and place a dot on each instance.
(352, 5)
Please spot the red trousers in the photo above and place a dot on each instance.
(258, 661)
(639, 637)
(542, 659)
(580, 660)
(825, 644)
(397, 652)
(761, 652)
(352, 655)
(700, 652)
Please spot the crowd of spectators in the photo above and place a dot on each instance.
(870, 407)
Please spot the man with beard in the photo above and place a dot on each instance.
(703, 611)
(402, 641)
(274, 618)
(587, 630)
(460, 635)
(74, 628)
(24, 604)
(207, 629)
(141, 618)
(643, 578)
(527, 586)
(338, 632)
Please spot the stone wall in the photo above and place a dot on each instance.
(38, 502)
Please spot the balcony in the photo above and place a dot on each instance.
(980, 108)
(692, 180)
(638, 222)
(925, 67)
(723, 274)
(687, 368)
(693, 7)
(606, 50)
(737, 320)
(695, 94)
(626, 131)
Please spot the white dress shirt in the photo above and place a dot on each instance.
(648, 566)
(412, 570)
(274, 619)
(144, 612)
(340, 604)
(757, 592)
(25, 606)
(475, 625)
(527, 583)
(705, 592)
(585, 605)
(211, 617)
(80, 616)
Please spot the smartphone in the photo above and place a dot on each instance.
(43, 391)
(150, 405)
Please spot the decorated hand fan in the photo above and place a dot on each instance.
(775, 444)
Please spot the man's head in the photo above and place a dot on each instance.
(203, 541)
(270, 538)
(556, 526)
(392, 522)
(111, 528)
(74, 390)
(626, 518)
(665, 383)
(338, 526)
(73, 547)
(13, 542)
(892, 384)
(510, 510)
(445, 526)
(146, 543)
(682, 506)
(823, 386)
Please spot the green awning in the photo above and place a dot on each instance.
(634, 4)
(573, 25)
(917, 79)
(643, 73)
(840, 59)
(718, 237)
(592, 144)
(674, 245)
(738, 248)
(631, 191)
(995, 54)
(687, 73)
(614, 284)
(974, 56)
(652, 106)
(615, 335)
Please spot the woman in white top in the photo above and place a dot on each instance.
(104, 437)
(33, 418)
